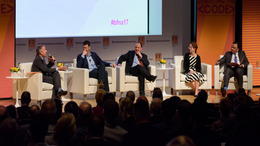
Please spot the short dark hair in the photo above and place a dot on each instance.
(39, 49)
(86, 42)
(237, 44)
(157, 93)
(26, 97)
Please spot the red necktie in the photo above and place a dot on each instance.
(141, 63)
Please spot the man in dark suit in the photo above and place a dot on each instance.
(136, 65)
(236, 63)
(90, 60)
(49, 74)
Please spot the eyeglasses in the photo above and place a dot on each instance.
(189, 47)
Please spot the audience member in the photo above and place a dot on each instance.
(157, 93)
(142, 98)
(38, 130)
(64, 131)
(24, 111)
(156, 111)
(131, 94)
(49, 112)
(113, 133)
(34, 110)
(127, 114)
(181, 141)
(3, 113)
(144, 133)
(8, 131)
(108, 96)
(12, 113)
(85, 112)
(72, 107)
(184, 116)
(96, 131)
(99, 100)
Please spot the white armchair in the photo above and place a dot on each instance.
(128, 82)
(81, 83)
(219, 74)
(177, 76)
(39, 90)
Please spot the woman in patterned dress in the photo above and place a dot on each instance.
(192, 66)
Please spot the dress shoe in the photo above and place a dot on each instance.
(223, 91)
(153, 78)
(60, 93)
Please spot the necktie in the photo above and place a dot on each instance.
(141, 63)
(235, 58)
(44, 61)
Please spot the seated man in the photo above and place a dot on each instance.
(136, 65)
(90, 60)
(236, 62)
(49, 75)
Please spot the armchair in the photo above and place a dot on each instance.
(177, 77)
(219, 74)
(81, 83)
(128, 82)
(39, 90)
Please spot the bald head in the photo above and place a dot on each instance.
(85, 110)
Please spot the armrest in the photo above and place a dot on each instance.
(207, 69)
(112, 73)
(250, 77)
(152, 69)
(172, 65)
(216, 77)
(61, 78)
(80, 80)
(174, 76)
(120, 78)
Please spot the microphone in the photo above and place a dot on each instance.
(51, 56)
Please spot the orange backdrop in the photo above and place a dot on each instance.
(251, 34)
(215, 29)
(6, 46)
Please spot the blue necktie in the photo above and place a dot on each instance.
(235, 58)
(44, 61)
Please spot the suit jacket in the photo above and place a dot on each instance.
(228, 56)
(129, 57)
(83, 62)
(39, 66)
(187, 63)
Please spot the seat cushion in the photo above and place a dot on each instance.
(183, 77)
(46, 86)
(221, 76)
(94, 82)
(132, 79)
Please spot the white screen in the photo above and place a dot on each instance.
(79, 18)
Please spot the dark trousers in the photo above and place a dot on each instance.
(101, 74)
(142, 73)
(234, 72)
(53, 78)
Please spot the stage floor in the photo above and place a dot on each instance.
(91, 98)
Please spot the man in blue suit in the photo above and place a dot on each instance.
(90, 60)
(236, 64)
